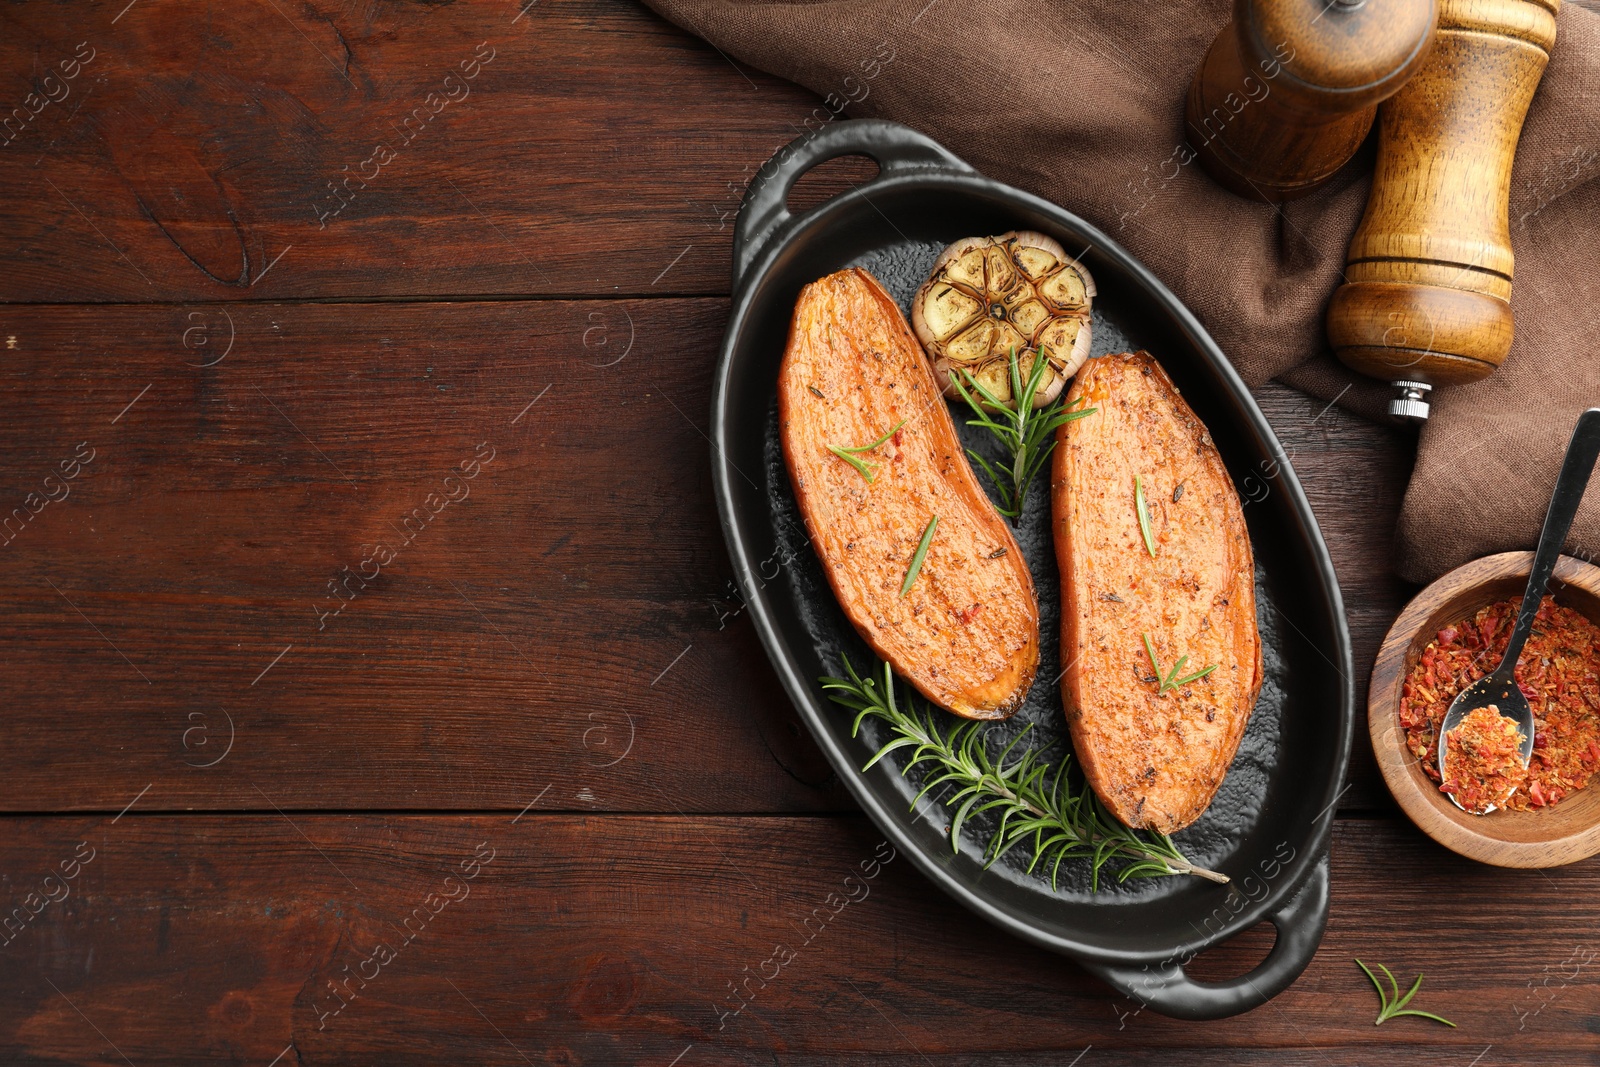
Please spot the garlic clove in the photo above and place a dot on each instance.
(967, 266)
(1065, 343)
(1036, 262)
(1002, 274)
(947, 309)
(1065, 291)
(995, 376)
(1029, 315)
(1006, 338)
(972, 347)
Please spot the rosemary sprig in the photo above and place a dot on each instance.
(1172, 679)
(868, 471)
(1028, 434)
(1034, 800)
(1391, 1004)
(920, 555)
(1143, 509)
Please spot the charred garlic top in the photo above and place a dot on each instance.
(988, 295)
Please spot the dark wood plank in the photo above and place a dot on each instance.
(573, 602)
(197, 147)
(617, 939)
(1355, 474)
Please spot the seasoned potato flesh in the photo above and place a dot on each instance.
(1155, 758)
(966, 631)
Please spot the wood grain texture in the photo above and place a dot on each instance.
(621, 940)
(1354, 473)
(1428, 277)
(1565, 833)
(197, 146)
(1273, 138)
(576, 597)
(558, 643)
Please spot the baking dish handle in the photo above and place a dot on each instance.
(764, 214)
(1168, 990)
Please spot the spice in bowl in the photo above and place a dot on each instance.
(1483, 760)
(1559, 673)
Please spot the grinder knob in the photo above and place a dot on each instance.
(1289, 88)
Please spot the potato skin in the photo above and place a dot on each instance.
(967, 633)
(1154, 759)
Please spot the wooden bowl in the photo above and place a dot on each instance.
(1565, 833)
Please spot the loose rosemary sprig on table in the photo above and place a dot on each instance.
(1028, 434)
(1063, 822)
(1391, 1004)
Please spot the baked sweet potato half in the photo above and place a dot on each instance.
(1158, 630)
(874, 460)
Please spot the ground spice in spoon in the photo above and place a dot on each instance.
(1559, 673)
(1483, 760)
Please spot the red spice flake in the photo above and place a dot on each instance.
(1482, 762)
(1559, 674)
(966, 615)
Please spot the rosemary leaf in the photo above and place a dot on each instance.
(921, 554)
(866, 470)
(868, 448)
(1195, 677)
(849, 454)
(1026, 433)
(1392, 1004)
(1035, 801)
(1168, 680)
(987, 469)
(1150, 651)
(1144, 515)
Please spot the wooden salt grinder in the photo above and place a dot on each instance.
(1427, 297)
(1289, 88)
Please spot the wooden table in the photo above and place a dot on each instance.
(385, 602)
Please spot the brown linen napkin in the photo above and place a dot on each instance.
(1082, 103)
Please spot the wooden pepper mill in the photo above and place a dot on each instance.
(1427, 297)
(1289, 88)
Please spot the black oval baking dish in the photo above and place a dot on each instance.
(1268, 828)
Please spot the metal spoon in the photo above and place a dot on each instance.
(1500, 688)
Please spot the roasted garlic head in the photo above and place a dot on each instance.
(990, 295)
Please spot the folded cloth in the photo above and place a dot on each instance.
(1082, 103)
